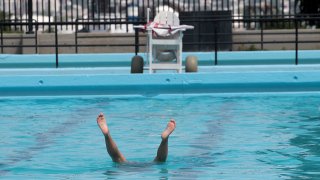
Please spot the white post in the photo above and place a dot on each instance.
(148, 14)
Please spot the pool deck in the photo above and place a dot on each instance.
(117, 80)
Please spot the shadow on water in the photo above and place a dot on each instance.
(201, 155)
(42, 141)
(299, 156)
(310, 142)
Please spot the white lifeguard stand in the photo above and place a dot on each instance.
(164, 45)
(165, 50)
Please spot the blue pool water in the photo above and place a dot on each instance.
(234, 136)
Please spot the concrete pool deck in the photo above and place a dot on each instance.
(117, 80)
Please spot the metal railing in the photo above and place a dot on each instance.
(213, 44)
(3, 29)
(129, 11)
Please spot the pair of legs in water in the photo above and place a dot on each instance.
(117, 156)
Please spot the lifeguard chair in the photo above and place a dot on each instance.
(164, 45)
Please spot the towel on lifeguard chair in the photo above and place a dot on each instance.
(165, 30)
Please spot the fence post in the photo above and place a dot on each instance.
(296, 40)
(215, 44)
(1, 38)
(261, 33)
(49, 14)
(136, 41)
(36, 35)
(56, 41)
(30, 18)
(127, 18)
(76, 37)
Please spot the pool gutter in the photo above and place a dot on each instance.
(108, 81)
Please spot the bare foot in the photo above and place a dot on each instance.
(102, 123)
(169, 129)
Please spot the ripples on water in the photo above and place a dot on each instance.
(222, 137)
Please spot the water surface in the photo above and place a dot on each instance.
(264, 136)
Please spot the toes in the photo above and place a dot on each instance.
(100, 116)
(173, 122)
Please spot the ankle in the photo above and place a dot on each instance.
(164, 138)
(106, 135)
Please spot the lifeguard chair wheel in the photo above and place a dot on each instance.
(137, 64)
(191, 64)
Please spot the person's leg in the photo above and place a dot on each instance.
(162, 152)
(112, 148)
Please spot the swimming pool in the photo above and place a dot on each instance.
(233, 122)
(240, 136)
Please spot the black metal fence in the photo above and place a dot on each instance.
(215, 17)
(213, 44)
(128, 11)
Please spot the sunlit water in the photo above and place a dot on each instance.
(217, 137)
